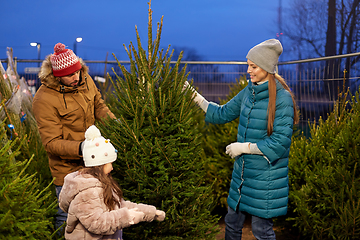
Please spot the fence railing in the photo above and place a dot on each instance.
(315, 82)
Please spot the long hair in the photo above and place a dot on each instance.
(272, 101)
(110, 186)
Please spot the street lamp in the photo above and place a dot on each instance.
(38, 45)
(77, 40)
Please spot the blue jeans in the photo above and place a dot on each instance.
(262, 228)
(61, 216)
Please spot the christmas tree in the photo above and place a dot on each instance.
(159, 144)
(26, 202)
(15, 107)
(25, 211)
(324, 174)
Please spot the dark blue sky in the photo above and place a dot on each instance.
(216, 30)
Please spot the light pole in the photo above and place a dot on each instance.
(38, 45)
(77, 40)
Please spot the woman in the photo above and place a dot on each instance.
(267, 111)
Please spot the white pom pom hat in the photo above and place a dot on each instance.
(97, 150)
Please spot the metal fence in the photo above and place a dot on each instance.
(315, 82)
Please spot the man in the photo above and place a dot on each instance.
(65, 105)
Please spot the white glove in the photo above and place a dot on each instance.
(136, 216)
(187, 85)
(236, 149)
(198, 99)
(159, 215)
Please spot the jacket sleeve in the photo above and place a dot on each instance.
(88, 208)
(226, 113)
(50, 128)
(148, 210)
(101, 110)
(277, 145)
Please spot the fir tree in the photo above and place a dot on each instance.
(16, 101)
(324, 175)
(19, 123)
(25, 212)
(159, 145)
(219, 165)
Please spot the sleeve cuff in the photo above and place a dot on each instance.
(204, 105)
(254, 149)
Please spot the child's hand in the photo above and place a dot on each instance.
(159, 215)
(136, 216)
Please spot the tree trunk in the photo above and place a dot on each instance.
(330, 75)
(330, 46)
(349, 47)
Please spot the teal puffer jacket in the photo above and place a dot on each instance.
(259, 184)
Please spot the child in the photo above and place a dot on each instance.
(94, 201)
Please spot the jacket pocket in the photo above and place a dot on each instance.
(70, 114)
(68, 111)
(90, 103)
(72, 120)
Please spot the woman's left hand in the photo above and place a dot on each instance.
(236, 149)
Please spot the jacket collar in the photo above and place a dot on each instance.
(261, 91)
(65, 89)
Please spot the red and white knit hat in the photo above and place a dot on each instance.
(64, 61)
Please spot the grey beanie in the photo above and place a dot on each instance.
(266, 54)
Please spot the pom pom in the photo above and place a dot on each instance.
(59, 47)
(92, 132)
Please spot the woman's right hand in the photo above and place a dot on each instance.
(187, 85)
(198, 99)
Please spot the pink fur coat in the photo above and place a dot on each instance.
(88, 216)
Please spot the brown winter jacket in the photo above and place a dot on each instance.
(88, 216)
(63, 114)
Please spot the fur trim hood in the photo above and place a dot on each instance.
(75, 183)
(47, 77)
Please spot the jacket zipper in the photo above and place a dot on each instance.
(242, 181)
(243, 162)
(62, 90)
